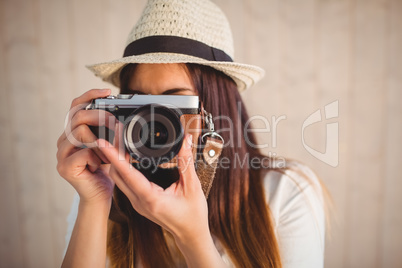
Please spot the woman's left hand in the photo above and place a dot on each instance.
(181, 209)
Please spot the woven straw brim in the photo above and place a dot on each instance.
(243, 74)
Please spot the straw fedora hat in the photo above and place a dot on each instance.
(181, 31)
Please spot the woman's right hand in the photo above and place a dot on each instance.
(80, 162)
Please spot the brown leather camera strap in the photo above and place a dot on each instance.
(208, 162)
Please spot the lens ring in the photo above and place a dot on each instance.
(142, 140)
(142, 120)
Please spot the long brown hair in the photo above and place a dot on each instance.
(238, 214)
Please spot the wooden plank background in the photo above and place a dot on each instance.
(315, 52)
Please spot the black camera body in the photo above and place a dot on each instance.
(154, 125)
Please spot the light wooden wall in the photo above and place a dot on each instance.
(314, 51)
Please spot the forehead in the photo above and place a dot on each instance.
(157, 78)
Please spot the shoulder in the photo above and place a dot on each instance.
(294, 197)
(295, 179)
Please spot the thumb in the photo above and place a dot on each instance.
(185, 160)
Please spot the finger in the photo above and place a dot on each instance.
(92, 118)
(85, 158)
(118, 137)
(116, 177)
(81, 136)
(186, 161)
(90, 95)
(76, 164)
(83, 118)
(67, 125)
(79, 104)
(82, 101)
(61, 139)
(105, 168)
(131, 176)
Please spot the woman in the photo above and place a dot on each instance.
(254, 216)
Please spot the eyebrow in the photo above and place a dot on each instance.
(175, 91)
(172, 91)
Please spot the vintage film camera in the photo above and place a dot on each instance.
(155, 125)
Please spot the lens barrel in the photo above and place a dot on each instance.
(153, 134)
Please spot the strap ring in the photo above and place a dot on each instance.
(212, 134)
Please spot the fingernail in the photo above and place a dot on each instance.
(104, 90)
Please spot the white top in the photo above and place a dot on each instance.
(296, 205)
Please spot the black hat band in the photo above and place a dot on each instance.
(175, 44)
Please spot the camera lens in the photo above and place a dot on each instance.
(153, 134)
(157, 135)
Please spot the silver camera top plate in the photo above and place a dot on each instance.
(136, 100)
